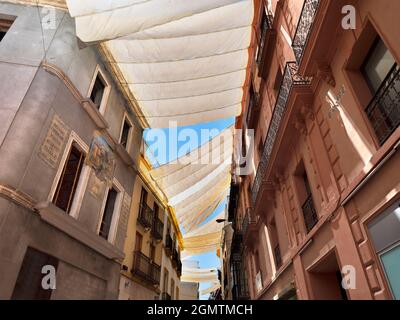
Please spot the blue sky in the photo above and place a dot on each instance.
(174, 149)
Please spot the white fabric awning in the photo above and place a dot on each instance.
(203, 239)
(199, 275)
(198, 182)
(183, 61)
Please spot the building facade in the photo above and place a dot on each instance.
(77, 201)
(68, 157)
(171, 270)
(318, 218)
(141, 268)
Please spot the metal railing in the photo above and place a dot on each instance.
(304, 26)
(249, 220)
(240, 289)
(237, 241)
(175, 258)
(169, 245)
(146, 215)
(146, 269)
(309, 213)
(384, 109)
(157, 229)
(291, 78)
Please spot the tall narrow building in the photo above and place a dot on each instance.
(69, 148)
(318, 218)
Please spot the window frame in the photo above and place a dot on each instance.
(112, 234)
(107, 88)
(355, 79)
(130, 133)
(83, 178)
(6, 22)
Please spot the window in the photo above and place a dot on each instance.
(308, 208)
(165, 284)
(252, 105)
(99, 90)
(172, 288)
(382, 75)
(385, 235)
(143, 196)
(69, 179)
(177, 293)
(152, 252)
(29, 281)
(273, 235)
(5, 25)
(377, 65)
(278, 80)
(105, 225)
(125, 133)
(138, 242)
(156, 210)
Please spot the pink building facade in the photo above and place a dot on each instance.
(319, 218)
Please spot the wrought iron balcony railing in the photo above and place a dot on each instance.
(165, 296)
(237, 242)
(146, 269)
(169, 245)
(157, 229)
(240, 289)
(266, 24)
(175, 258)
(248, 221)
(290, 79)
(304, 26)
(309, 213)
(146, 216)
(233, 201)
(384, 109)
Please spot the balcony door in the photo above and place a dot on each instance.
(382, 75)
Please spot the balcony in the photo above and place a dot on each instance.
(237, 242)
(146, 216)
(233, 201)
(249, 223)
(146, 269)
(384, 111)
(290, 80)
(165, 296)
(309, 213)
(175, 258)
(252, 114)
(240, 289)
(157, 229)
(168, 245)
(304, 26)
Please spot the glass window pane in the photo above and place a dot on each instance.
(385, 229)
(391, 264)
(378, 64)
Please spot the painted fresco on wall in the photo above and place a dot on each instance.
(101, 158)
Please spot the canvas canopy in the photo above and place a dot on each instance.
(183, 61)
